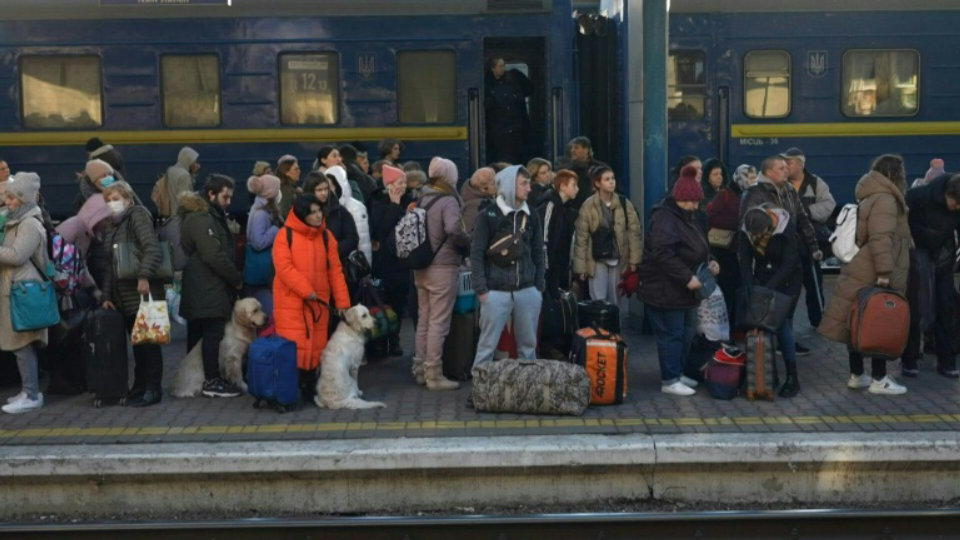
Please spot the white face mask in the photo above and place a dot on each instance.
(117, 207)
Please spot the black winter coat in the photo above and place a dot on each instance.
(766, 192)
(211, 278)
(527, 272)
(341, 225)
(778, 268)
(675, 247)
(384, 216)
(558, 220)
(931, 224)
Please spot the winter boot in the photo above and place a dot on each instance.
(417, 371)
(436, 380)
(791, 387)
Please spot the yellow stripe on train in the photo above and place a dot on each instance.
(220, 136)
(845, 129)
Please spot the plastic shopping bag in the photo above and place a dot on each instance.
(712, 318)
(152, 324)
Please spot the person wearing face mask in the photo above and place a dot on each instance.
(308, 284)
(134, 225)
(97, 174)
(675, 247)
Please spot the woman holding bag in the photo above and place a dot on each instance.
(133, 225)
(22, 255)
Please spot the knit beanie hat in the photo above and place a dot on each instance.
(266, 186)
(443, 169)
(392, 174)
(935, 170)
(97, 167)
(687, 188)
(24, 186)
(260, 167)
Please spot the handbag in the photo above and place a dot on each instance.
(257, 266)
(603, 242)
(127, 261)
(720, 238)
(152, 324)
(33, 304)
(506, 248)
(762, 307)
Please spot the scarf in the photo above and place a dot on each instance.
(760, 241)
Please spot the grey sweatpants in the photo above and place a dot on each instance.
(524, 305)
(29, 372)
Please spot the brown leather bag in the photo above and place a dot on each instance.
(879, 323)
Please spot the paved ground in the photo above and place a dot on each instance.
(824, 405)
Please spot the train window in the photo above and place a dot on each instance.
(766, 83)
(190, 87)
(426, 87)
(60, 91)
(880, 83)
(309, 88)
(686, 85)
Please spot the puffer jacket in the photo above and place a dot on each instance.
(883, 235)
(134, 226)
(675, 247)
(306, 262)
(356, 209)
(626, 229)
(444, 222)
(211, 278)
(261, 225)
(24, 239)
(384, 216)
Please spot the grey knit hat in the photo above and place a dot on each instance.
(24, 186)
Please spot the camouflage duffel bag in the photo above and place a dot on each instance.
(531, 386)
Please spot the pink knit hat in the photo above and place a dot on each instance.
(392, 174)
(443, 169)
(266, 186)
(97, 167)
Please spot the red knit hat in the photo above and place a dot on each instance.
(687, 188)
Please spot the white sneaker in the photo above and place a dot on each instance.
(677, 389)
(17, 397)
(887, 387)
(23, 405)
(687, 381)
(857, 382)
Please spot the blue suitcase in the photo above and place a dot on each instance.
(272, 375)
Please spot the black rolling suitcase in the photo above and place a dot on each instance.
(599, 314)
(461, 346)
(105, 337)
(558, 319)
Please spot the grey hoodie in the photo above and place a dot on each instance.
(179, 177)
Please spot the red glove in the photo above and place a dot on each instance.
(629, 282)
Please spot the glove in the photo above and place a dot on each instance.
(629, 283)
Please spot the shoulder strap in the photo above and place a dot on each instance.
(323, 240)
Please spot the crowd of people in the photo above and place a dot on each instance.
(525, 232)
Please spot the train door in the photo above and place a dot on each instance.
(691, 117)
(525, 70)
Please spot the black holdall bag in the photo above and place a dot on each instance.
(762, 307)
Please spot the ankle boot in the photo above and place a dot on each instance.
(150, 397)
(417, 371)
(436, 380)
(791, 386)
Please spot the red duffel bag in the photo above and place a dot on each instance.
(879, 323)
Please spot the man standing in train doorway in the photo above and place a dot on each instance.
(505, 102)
(818, 203)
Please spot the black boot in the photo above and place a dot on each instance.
(791, 386)
(150, 397)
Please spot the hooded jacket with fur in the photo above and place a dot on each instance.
(211, 276)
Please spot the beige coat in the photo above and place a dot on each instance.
(628, 234)
(24, 238)
(884, 238)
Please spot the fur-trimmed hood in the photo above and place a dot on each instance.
(191, 202)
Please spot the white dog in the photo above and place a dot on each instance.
(240, 330)
(341, 359)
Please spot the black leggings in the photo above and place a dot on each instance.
(878, 366)
(211, 332)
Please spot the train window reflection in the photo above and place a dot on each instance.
(426, 87)
(686, 85)
(190, 90)
(309, 88)
(60, 91)
(880, 83)
(766, 83)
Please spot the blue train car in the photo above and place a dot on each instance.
(246, 80)
(845, 86)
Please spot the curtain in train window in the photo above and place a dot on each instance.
(190, 90)
(686, 85)
(60, 91)
(426, 87)
(880, 83)
(766, 84)
(309, 88)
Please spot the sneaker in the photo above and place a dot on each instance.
(220, 388)
(887, 386)
(909, 369)
(687, 381)
(17, 397)
(801, 350)
(951, 373)
(23, 405)
(858, 382)
(677, 389)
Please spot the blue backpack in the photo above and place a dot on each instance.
(272, 375)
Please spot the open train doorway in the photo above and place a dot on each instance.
(514, 99)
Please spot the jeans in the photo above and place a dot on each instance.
(524, 305)
(788, 346)
(211, 332)
(674, 330)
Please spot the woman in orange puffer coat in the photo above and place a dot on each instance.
(308, 283)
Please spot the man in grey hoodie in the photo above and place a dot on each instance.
(181, 176)
(508, 281)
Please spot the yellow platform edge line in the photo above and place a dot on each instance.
(845, 129)
(237, 136)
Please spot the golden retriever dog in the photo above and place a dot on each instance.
(240, 330)
(340, 362)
